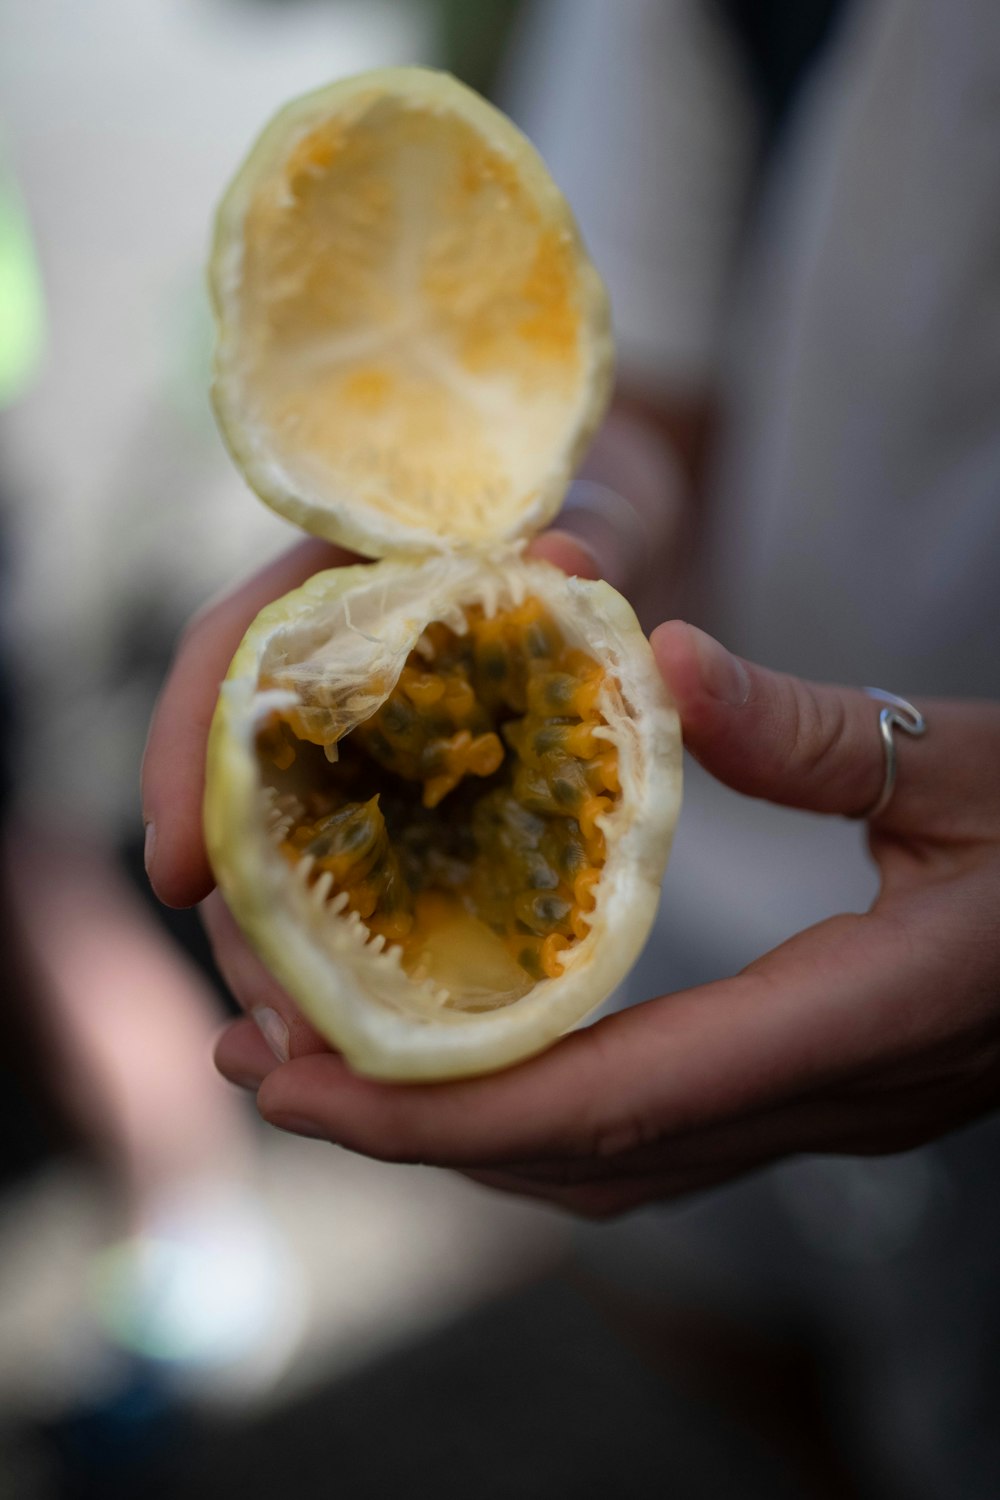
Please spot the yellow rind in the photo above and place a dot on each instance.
(330, 977)
(344, 518)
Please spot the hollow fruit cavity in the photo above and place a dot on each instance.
(462, 821)
(410, 320)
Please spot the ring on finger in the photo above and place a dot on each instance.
(897, 713)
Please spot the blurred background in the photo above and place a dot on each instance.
(191, 1304)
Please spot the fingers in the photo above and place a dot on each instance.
(174, 764)
(244, 1055)
(275, 1014)
(855, 1120)
(677, 1064)
(892, 1113)
(947, 784)
(847, 1038)
(818, 746)
(819, 1010)
(542, 1107)
(772, 735)
(602, 522)
(568, 552)
(617, 1093)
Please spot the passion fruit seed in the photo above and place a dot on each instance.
(521, 851)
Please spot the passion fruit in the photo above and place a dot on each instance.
(441, 787)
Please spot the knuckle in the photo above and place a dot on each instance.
(821, 743)
(612, 1139)
(611, 1126)
(821, 735)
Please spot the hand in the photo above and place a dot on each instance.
(865, 1034)
(635, 501)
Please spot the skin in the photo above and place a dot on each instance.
(654, 453)
(865, 1034)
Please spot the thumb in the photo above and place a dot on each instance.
(566, 551)
(768, 734)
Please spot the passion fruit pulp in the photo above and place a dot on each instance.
(427, 941)
(472, 796)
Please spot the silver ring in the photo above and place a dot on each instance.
(898, 714)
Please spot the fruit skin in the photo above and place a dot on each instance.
(343, 518)
(386, 1026)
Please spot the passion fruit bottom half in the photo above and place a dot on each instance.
(440, 799)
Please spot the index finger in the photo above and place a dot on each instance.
(173, 771)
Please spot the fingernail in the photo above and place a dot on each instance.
(723, 676)
(244, 1081)
(149, 848)
(572, 552)
(273, 1030)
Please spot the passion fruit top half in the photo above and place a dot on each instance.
(442, 786)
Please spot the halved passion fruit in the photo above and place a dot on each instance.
(441, 787)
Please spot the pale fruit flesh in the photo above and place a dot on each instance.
(413, 345)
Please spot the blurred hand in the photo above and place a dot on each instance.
(635, 502)
(864, 1034)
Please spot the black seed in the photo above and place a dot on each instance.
(542, 914)
(397, 717)
(565, 792)
(540, 875)
(573, 858)
(432, 759)
(493, 663)
(550, 736)
(538, 641)
(346, 831)
(559, 689)
(380, 746)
